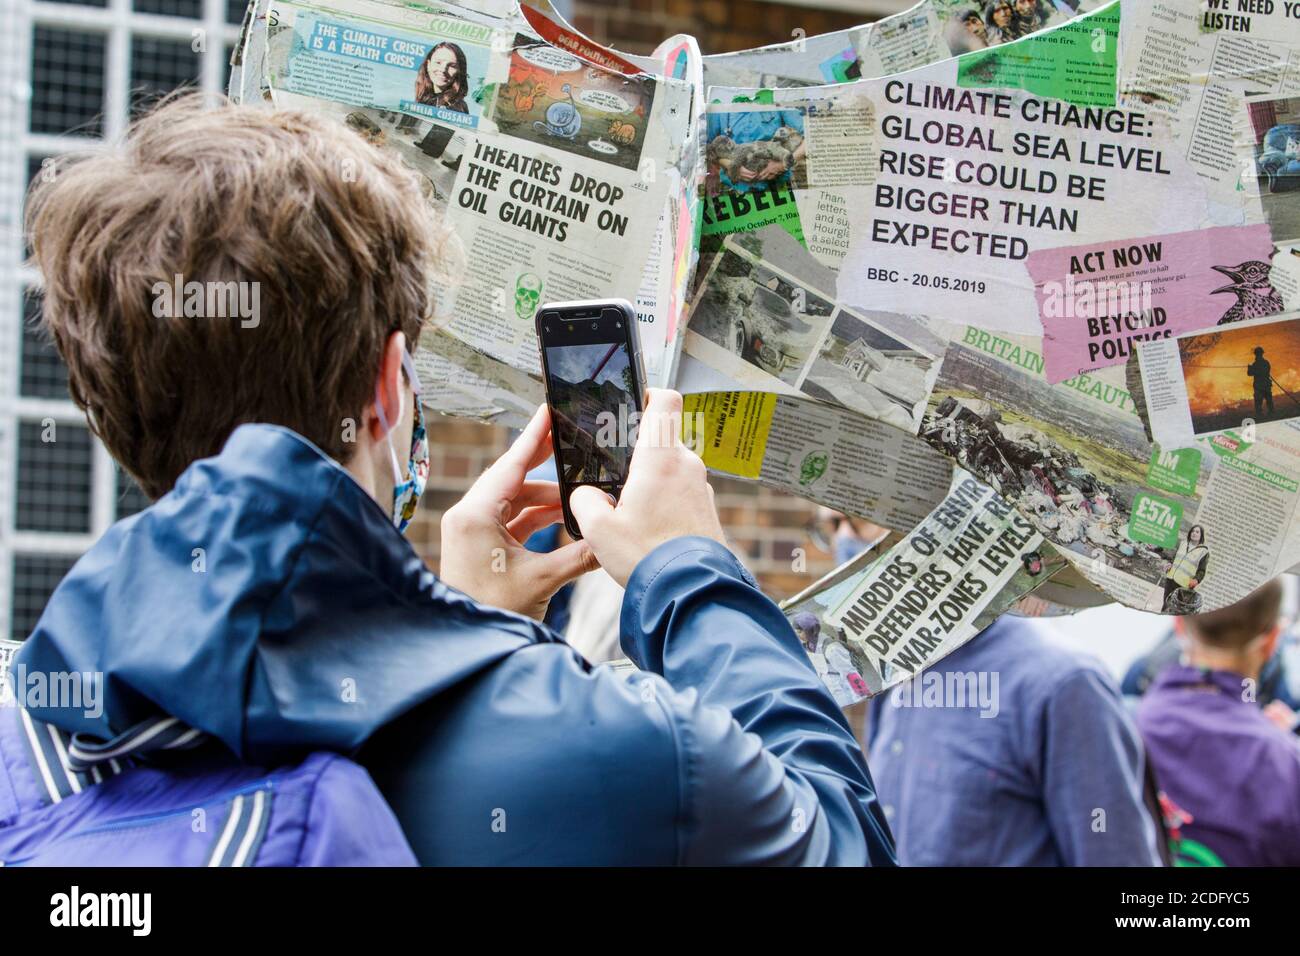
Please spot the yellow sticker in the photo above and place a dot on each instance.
(729, 429)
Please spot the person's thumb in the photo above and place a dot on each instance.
(563, 565)
(590, 508)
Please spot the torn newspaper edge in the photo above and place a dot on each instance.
(873, 151)
(953, 574)
(554, 176)
(971, 166)
(1240, 418)
(924, 33)
(1097, 301)
(1193, 62)
(543, 214)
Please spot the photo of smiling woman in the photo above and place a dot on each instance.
(443, 80)
(1186, 572)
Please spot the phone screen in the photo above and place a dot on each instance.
(594, 388)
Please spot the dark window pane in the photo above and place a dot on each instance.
(83, 3)
(35, 167)
(130, 499)
(35, 578)
(235, 11)
(43, 374)
(158, 67)
(67, 81)
(54, 477)
(171, 8)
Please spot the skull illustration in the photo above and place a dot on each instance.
(813, 467)
(528, 295)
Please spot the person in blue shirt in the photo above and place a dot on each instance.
(1043, 767)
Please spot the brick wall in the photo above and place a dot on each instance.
(764, 526)
(638, 26)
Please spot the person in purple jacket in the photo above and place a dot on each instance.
(1231, 775)
(274, 672)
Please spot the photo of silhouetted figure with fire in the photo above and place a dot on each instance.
(1262, 373)
(1241, 375)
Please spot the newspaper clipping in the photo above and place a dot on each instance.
(925, 596)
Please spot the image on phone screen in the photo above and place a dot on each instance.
(593, 393)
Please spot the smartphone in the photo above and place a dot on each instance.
(595, 387)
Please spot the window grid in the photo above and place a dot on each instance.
(189, 9)
(55, 473)
(35, 578)
(42, 373)
(128, 497)
(67, 81)
(158, 67)
(89, 66)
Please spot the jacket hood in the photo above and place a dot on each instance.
(266, 600)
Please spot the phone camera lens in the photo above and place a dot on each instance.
(593, 325)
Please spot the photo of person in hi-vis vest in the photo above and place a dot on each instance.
(1188, 567)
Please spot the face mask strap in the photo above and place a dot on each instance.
(388, 434)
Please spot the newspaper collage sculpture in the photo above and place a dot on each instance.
(1016, 280)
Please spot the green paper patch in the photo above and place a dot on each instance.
(1229, 444)
(1074, 62)
(1175, 470)
(1155, 521)
(731, 212)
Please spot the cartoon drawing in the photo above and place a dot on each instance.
(562, 119)
(522, 95)
(622, 132)
(528, 295)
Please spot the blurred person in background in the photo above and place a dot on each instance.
(586, 611)
(841, 536)
(1049, 772)
(1231, 774)
(1277, 693)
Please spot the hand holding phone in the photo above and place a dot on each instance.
(591, 363)
(483, 534)
(667, 495)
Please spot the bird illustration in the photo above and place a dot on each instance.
(1255, 294)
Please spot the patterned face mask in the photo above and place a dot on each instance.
(407, 491)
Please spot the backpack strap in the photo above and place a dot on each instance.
(242, 834)
(47, 752)
(66, 764)
(146, 737)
